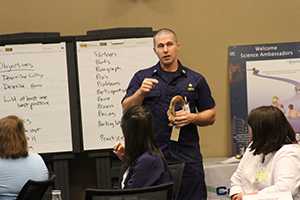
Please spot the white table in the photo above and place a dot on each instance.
(217, 177)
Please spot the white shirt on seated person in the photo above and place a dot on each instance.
(14, 173)
(279, 172)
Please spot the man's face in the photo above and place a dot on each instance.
(166, 48)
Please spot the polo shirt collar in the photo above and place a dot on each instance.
(181, 68)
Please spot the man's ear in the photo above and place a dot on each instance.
(178, 45)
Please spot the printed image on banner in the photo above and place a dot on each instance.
(263, 74)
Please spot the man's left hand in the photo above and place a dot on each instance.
(183, 118)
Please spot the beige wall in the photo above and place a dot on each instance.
(205, 29)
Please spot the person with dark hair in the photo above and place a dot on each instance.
(271, 162)
(17, 165)
(144, 163)
(155, 87)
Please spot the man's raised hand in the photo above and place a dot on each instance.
(147, 85)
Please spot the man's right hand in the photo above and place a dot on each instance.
(147, 85)
(138, 97)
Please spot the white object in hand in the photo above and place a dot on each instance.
(56, 195)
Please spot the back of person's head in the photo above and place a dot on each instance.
(13, 142)
(136, 126)
(270, 130)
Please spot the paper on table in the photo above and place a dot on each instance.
(232, 159)
(269, 196)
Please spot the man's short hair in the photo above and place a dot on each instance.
(164, 30)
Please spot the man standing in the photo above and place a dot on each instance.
(154, 88)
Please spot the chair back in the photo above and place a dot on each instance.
(176, 169)
(35, 190)
(158, 192)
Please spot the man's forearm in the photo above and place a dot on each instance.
(204, 118)
(136, 99)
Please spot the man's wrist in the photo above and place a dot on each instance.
(193, 118)
(140, 93)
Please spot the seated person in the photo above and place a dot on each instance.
(144, 164)
(271, 162)
(292, 112)
(17, 165)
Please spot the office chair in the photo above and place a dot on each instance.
(158, 192)
(176, 170)
(35, 190)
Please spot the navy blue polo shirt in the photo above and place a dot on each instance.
(184, 82)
